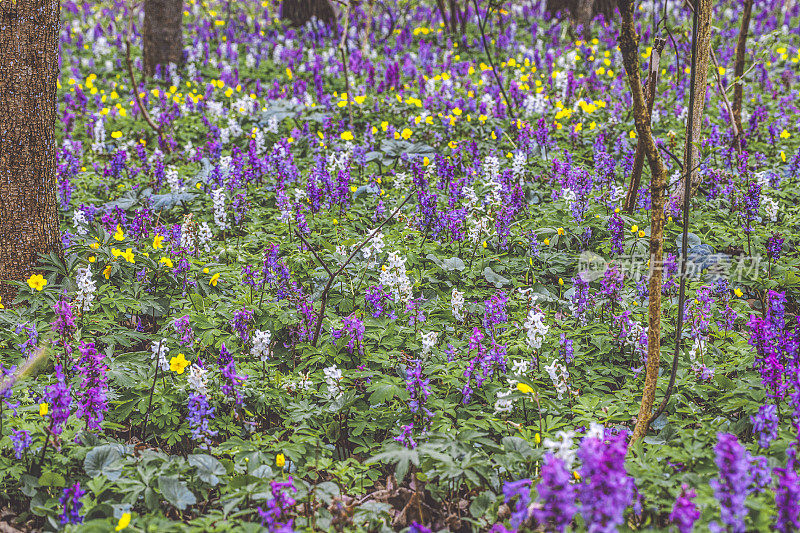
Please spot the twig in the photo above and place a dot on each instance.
(741, 45)
(736, 131)
(333, 276)
(321, 262)
(343, 49)
(135, 87)
(482, 26)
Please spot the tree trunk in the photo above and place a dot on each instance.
(700, 84)
(162, 34)
(582, 10)
(629, 46)
(741, 46)
(299, 12)
(29, 32)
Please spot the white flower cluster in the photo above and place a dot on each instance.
(394, 277)
(477, 228)
(98, 135)
(261, 340)
(562, 446)
(174, 182)
(457, 304)
(204, 236)
(80, 222)
(86, 289)
(332, 378)
(220, 214)
(197, 379)
(535, 328)
(491, 168)
(428, 341)
(559, 376)
(504, 404)
(160, 352)
(770, 208)
(518, 166)
(372, 249)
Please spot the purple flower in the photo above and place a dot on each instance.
(185, 331)
(27, 346)
(787, 500)
(556, 494)
(241, 323)
(200, 415)
(58, 399)
(92, 403)
(21, 440)
(274, 515)
(418, 389)
(765, 424)
(616, 227)
(354, 328)
(731, 487)
(607, 490)
(522, 491)
(64, 324)
(684, 512)
(71, 505)
(406, 436)
(774, 247)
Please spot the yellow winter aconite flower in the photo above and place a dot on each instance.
(214, 279)
(107, 272)
(738, 292)
(157, 240)
(547, 242)
(127, 255)
(166, 261)
(634, 228)
(124, 521)
(37, 282)
(785, 134)
(560, 231)
(43, 408)
(347, 135)
(116, 134)
(178, 363)
(119, 235)
(280, 460)
(407, 133)
(641, 233)
(524, 388)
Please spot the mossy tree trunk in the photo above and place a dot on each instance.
(299, 12)
(29, 33)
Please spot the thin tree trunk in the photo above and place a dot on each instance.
(29, 32)
(299, 12)
(629, 46)
(699, 82)
(162, 34)
(638, 161)
(738, 70)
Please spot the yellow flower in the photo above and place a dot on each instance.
(1, 303)
(524, 388)
(178, 363)
(166, 261)
(280, 460)
(119, 235)
(157, 242)
(107, 272)
(634, 228)
(116, 134)
(484, 244)
(738, 292)
(94, 245)
(116, 252)
(537, 438)
(641, 233)
(205, 270)
(92, 258)
(560, 231)
(214, 279)
(547, 242)
(347, 135)
(124, 520)
(37, 282)
(560, 281)
(406, 133)
(785, 134)
(43, 408)
(335, 221)
(127, 255)
(576, 475)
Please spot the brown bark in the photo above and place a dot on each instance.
(629, 46)
(638, 161)
(582, 10)
(298, 12)
(162, 34)
(28, 74)
(700, 84)
(738, 70)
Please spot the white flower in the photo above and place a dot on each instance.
(428, 341)
(86, 288)
(535, 329)
(457, 303)
(770, 208)
(332, 378)
(204, 236)
(220, 214)
(174, 182)
(561, 447)
(520, 367)
(261, 340)
(559, 376)
(503, 403)
(596, 431)
(79, 221)
(197, 379)
(159, 352)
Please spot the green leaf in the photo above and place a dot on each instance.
(103, 460)
(208, 468)
(176, 492)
